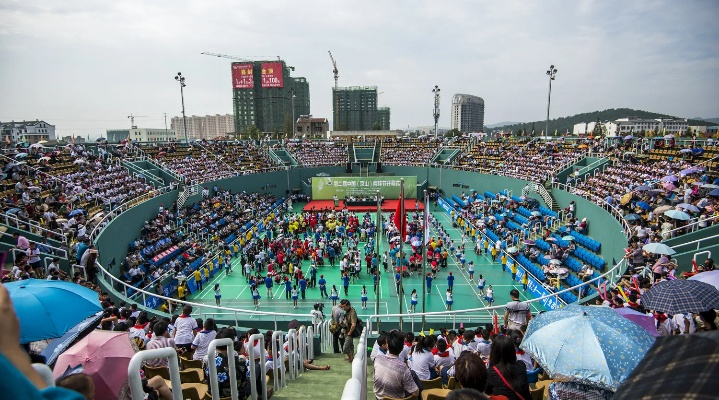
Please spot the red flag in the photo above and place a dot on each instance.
(400, 220)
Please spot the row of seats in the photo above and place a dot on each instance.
(586, 241)
(529, 266)
(546, 211)
(590, 258)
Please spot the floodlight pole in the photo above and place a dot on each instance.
(552, 73)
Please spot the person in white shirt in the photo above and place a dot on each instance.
(685, 323)
(421, 361)
(202, 340)
(185, 329)
(665, 325)
(444, 357)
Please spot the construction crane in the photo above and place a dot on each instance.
(334, 68)
(132, 120)
(244, 59)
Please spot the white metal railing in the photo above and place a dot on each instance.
(211, 354)
(356, 386)
(535, 187)
(278, 360)
(133, 371)
(253, 367)
(698, 243)
(35, 227)
(693, 226)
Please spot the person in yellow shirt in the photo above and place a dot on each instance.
(504, 259)
(513, 269)
(198, 279)
(236, 248)
(525, 281)
(494, 254)
(207, 273)
(181, 292)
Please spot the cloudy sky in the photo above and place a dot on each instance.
(85, 65)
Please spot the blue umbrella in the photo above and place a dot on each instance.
(629, 137)
(20, 155)
(714, 193)
(588, 344)
(658, 248)
(688, 207)
(48, 309)
(676, 214)
(670, 178)
(644, 205)
(76, 211)
(642, 188)
(57, 346)
(633, 217)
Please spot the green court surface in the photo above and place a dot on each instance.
(236, 291)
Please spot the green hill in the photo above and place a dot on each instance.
(565, 124)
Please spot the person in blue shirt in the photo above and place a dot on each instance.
(331, 255)
(375, 262)
(323, 287)
(450, 281)
(268, 285)
(288, 288)
(346, 283)
(313, 276)
(376, 281)
(429, 283)
(303, 287)
(397, 281)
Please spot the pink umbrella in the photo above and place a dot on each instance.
(646, 321)
(668, 186)
(104, 355)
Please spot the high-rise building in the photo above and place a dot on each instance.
(383, 115)
(263, 96)
(355, 108)
(209, 127)
(467, 113)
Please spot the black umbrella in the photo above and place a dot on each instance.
(676, 367)
(681, 297)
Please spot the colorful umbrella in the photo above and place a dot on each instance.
(633, 217)
(658, 248)
(625, 198)
(48, 309)
(668, 186)
(710, 277)
(676, 214)
(646, 321)
(681, 297)
(688, 207)
(586, 344)
(528, 242)
(644, 205)
(105, 356)
(675, 367)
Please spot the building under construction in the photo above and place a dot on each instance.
(355, 109)
(262, 96)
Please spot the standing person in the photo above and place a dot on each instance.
(449, 300)
(363, 297)
(470, 270)
(338, 314)
(504, 261)
(392, 377)
(323, 287)
(218, 294)
(198, 279)
(517, 314)
(490, 295)
(494, 254)
(334, 296)
(203, 338)
(247, 271)
(413, 301)
(525, 280)
(397, 282)
(185, 329)
(268, 285)
(480, 284)
(450, 281)
(303, 287)
(346, 283)
(506, 376)
(375, 277)
(255, 296)
(288, 288)
(181, 291)
(349, 324)
(313, 276)
(228, 265)
(294, 296)
(428, 281)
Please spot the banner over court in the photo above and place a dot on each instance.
(325, 188)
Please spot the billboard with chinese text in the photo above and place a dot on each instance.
(272, 75)
(242, 76)
(325, 188)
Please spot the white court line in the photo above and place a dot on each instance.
(241, 291)
(441, 297)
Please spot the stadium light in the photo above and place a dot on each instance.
(552, 73)
(181, 79)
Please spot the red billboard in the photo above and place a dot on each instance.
(272, 75)
(242, 77)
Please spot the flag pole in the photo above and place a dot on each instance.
(378, 231)
(425, 240)
(401, 220)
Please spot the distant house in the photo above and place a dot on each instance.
(27, 131)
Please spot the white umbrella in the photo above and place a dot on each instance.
(555, 261)
(79, 161)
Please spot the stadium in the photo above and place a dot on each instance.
(248, 233)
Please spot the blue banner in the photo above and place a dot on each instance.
(445, 206)
(537, 290)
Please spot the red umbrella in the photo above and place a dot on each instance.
(105, 356)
